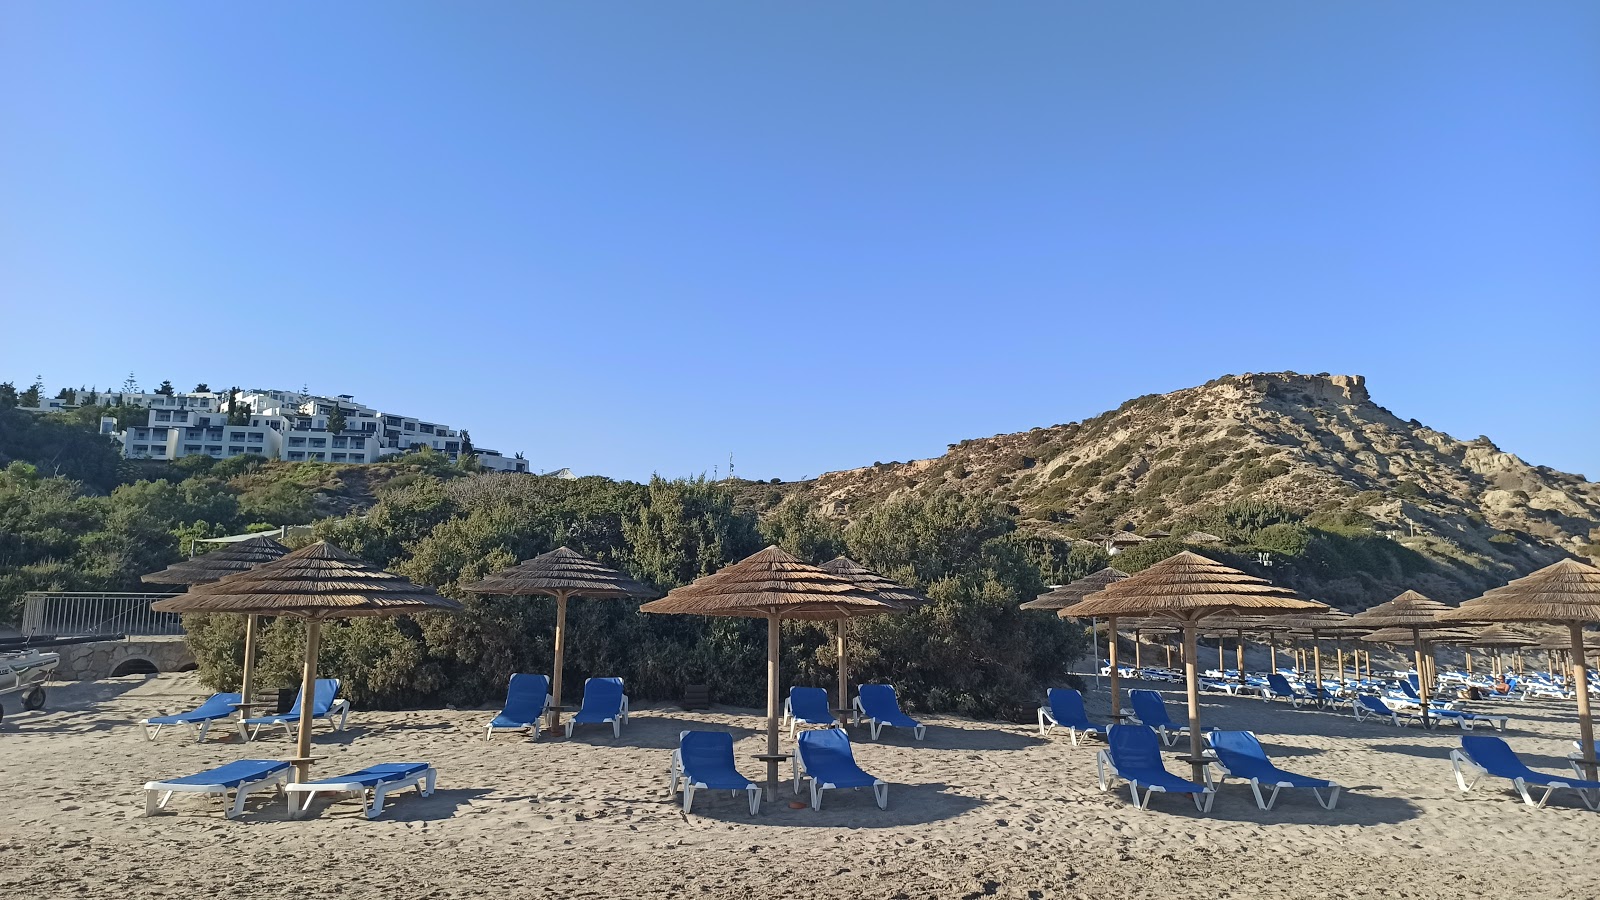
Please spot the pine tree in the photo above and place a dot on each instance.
(8, 395)
(466, 444)
(31, 397)
(336, 421)
(166, 388)
(130, 385)
(202, 388)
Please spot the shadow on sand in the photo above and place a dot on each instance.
(909, 804)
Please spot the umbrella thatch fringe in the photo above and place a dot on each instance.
(561, 571)
(771, 582)
(314, 581)
(220, 563)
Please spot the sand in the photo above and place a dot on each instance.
(977, 809)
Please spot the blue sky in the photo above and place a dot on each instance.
(638, 238)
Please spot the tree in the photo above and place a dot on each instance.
(130, 385)
(466, 444)
(8, 395)
(336, 421)
(32, 396)
(202, 388)
(237, 414)
(165, 388)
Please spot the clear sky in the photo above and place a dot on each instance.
(639, 237)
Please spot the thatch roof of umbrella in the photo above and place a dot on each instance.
(1562, 641)
(1149, 626)
(1128, 537)
(1567, 591)
(1409, 610)
(886, 590)
(1435, 635)
(1067, 594)
(1331, 622)
(217, 564)
(771, 582)
(319, 581)
(1499, 637)
(1232, 625)
(1201, 537)
(1187, 587)
(561, 571)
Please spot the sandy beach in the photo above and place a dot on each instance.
(977, 809)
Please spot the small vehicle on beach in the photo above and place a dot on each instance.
(25, 665)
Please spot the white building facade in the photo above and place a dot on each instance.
(283, 425)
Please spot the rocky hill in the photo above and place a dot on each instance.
(1316, 444)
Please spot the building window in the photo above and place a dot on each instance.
(158, 434)
(191, 448)
(214, 448)
(296, 455)
(235, 435)
(235, 451)
(341, 442)
(319, 442)
(358, 442)
(338, 457)
(158, 450)
(257, 438)
(297, 442)
(319, 457)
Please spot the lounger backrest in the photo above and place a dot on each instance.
(1493, 754)
(525, 697)
(1066, 705)
(1149, 707)
(1240, 745)
(825, 750)
(1279, 685)
(1409, 689)
(705, 750)
(325, 691)
(1134, 747)
(217, 704)
(602, 695)
(879, 698)
(809, 703)
(1374, 704)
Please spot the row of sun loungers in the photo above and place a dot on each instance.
(242, 777)
(326, 705)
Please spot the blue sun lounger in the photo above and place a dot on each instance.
(1466, 720)
(240, 776)
(1239, 755)
(1366, 706)
(823, 758)
(325, 704)
(603, 702)
(878, 704)
(374, 784)
(1149, 709)
(527, 698)
(217, 706)
(808, 706)
(1482, 755)
(1064, 709)
(1133, 753)
(704, 761)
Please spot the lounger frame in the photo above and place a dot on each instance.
(1104, 771)
(1462, 765)
(372, 796)
(157, 793)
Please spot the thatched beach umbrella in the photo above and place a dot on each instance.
(1566, 593)
(1415, 613)
(314, 583)
(214, 566)
(1427, 639)
(1333, 622)
(562, 574)
(1063, 596)
(895, 597)
(1186, 589)
(771, 585)
(1498, 638)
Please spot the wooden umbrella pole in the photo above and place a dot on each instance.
(1422, 681)
(844, 673)
(1338, 650)
(1138, 654)
(1469, 662)
(308, 705)
(1316, 655)
(1168, 645)
(1116, 695)
(1580, 675)
(772, 705)
(1222, 660)
(1192, 679)
(1238, 652)
(561, 656)
(247, 679)
(1272, 648)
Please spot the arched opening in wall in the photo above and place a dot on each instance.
(188, 667)
(134, 666)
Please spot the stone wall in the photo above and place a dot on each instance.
(102, 659)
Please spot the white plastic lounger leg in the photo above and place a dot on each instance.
(151, 732)
(753, 794)
(570, 723)
(1203, 800)
(816, 794)
(343, 708)
(242, 793)
(616, 727)
(880, 793)
(1459, 761)
(1044, 729)
(1101, 763)
(200, 736)
(1332, 799)
(919, 732)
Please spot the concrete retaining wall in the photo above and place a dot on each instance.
(104, 659)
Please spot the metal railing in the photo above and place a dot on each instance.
(59, 612)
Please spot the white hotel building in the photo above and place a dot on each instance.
(283, 425)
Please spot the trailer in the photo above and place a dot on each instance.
(27, 663)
